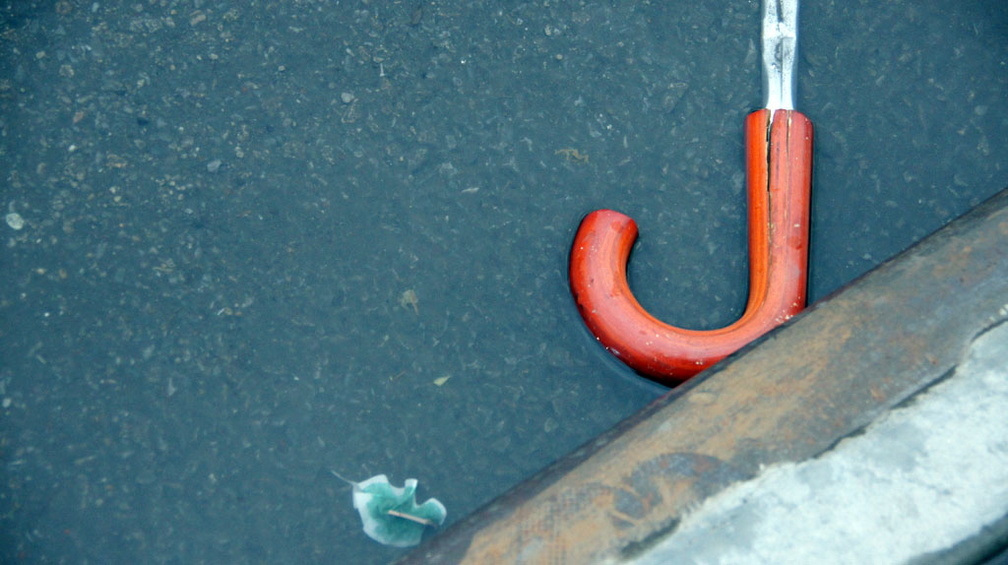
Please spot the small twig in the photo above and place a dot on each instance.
(342, 478)
(412, 518)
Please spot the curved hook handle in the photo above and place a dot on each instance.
(779, 179)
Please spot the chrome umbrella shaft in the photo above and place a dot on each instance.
(780, 52)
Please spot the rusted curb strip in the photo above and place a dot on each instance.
(787, 398)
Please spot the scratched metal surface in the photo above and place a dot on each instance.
(802, 389)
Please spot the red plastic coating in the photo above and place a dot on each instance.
(779, 179)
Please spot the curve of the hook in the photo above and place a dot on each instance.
(779, 193)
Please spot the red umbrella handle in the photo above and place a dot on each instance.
(779, 179)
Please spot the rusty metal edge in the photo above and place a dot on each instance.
(789, 397)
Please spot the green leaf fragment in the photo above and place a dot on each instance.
(390, 514)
